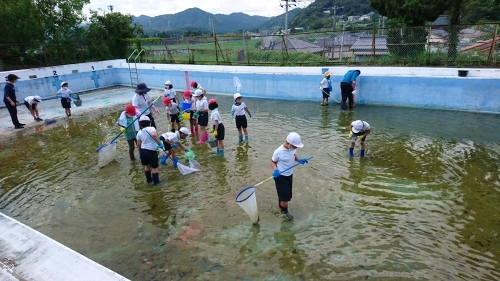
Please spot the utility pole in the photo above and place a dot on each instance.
(110, 7)
(286, 5)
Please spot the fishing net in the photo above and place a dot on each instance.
(107, 153)
(194, 166)
(247, 201)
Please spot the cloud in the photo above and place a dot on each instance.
(266, 8)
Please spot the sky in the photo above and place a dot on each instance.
(266, 8)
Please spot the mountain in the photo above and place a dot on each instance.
(194, 19)
(279, 21)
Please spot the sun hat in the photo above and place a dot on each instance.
(187, 94)
(198, 93)
(294, 139)
(185, 131)
(166, 101)
(144, 118)
(64, 82)
(38, 98)
(130, 110)
(142, 88)
(193, 83)
(357, 126)
(236, 96)
(212, 101)
(327, 73)
(168, 82)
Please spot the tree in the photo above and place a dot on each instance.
(107, 35)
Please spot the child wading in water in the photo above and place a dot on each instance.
(239, 108)
(218, 128)
(359, 129)
(326, 88)
(130, 132)
(147, 142)
(64, 93)
(283, 158)
(172, 113)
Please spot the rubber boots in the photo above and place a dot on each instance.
(156, 179)
(203, 138)
(240, 138)
(351, 152)
(362, 153)
(246, 139)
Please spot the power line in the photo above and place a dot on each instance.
(286, 5)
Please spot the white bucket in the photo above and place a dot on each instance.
(247, 201)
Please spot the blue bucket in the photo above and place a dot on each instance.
(323, 70)
(186, 106)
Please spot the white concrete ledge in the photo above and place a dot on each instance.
(26, 254)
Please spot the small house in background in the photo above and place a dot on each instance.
(469, 34)
(364, 49)
(437, 40)
(297, 45)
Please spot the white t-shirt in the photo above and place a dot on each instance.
(215, 116)
(148, 142)
(141, 102)
(170, 93)
(30, 99)
(64, 92)
(239, 109)
(172, 109)
(285, 158)
(172, 137)
(202, 104)
(324, 83)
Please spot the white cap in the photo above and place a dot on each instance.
(38, 98)
(185, 131)
(357, 126)
(168, 82)
(237, 95)
(64, 82)
(197, 93)
(294, 139)
(144, 118)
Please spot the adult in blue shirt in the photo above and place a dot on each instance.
(10, 100)
(346, 87)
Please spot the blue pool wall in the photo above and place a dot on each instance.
(435, 88)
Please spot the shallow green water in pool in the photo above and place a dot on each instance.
(422, 205)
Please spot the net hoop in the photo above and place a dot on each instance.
(242, 192)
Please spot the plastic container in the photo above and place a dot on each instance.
(185, 115)
(463, 73)
(78, 102)
(186, 106)
(212, 142)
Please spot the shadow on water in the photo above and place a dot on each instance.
(423, 203)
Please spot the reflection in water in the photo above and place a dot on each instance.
(423, 203)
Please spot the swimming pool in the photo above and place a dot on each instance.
(423, 204)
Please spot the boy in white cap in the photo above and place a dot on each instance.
(239, 108)
(201, 106)
(171, 140)
(31, 103)
(326, 87)
(283, 158)
(147, 142)
(359, 129)
(170, 92)
(64, 93)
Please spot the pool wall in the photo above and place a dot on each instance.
(436, 88)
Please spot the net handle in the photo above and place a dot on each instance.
(281, 172)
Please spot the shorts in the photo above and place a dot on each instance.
(174, 118)
(167, 146)
(354, 137)
(149, 158)
(326, 93)
(241, 121)
(284, 187)
(66, 102)
(221, 132)
(191, 113)
(203, 119)
(33, 106)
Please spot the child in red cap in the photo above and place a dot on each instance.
(126, 127)
(172, 113)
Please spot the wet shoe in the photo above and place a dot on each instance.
(322, 104)
(38, 119)
(21, 124)
(18, 127)
(287, 216)
(326, 103)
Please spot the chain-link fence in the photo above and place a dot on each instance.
(462, 45)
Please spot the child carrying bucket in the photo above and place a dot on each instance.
(239, 108)
(283, 158)
(171, 140)
(218, 129)
(147, 142)
(126, 117)
(64, 93)
(172, 113)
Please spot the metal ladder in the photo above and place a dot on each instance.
(134, 74)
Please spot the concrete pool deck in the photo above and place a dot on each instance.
(113, 98)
